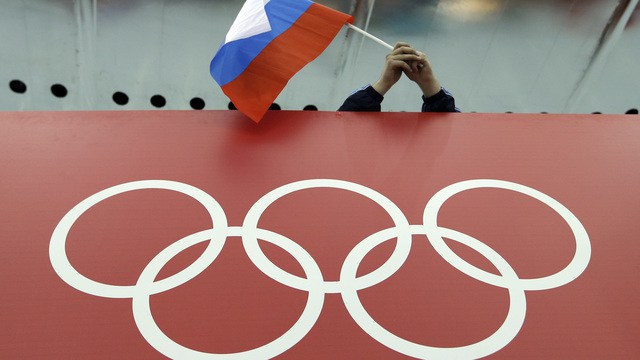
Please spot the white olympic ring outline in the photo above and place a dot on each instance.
(314, 283)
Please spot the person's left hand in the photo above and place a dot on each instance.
(422, 74)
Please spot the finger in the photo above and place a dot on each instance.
(415, 66)
(399, 64)
(401, 44)
(404, 50)
(404, 57)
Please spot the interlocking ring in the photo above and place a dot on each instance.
(62, 266)
(348, 284)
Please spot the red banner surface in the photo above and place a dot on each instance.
(319, 235)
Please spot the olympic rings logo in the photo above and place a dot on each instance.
(314, 283)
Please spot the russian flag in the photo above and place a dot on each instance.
(269, 42)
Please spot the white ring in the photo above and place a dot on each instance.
(568, 274)
(503, 336)
(161, 342)
(250, 240)
(66, 271)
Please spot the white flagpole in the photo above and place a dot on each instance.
(370, 36)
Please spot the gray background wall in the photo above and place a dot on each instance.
(558, 56)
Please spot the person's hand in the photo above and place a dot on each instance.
(398, 61)
(422, 74)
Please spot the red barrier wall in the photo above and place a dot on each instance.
(540, 213)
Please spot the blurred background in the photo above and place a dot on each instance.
(524, 56)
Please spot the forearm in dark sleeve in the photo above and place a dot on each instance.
(443, 101)
(367, 99)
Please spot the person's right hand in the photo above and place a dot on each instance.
(397, 62)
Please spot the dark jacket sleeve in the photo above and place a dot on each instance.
(366, 99)
(443, 101)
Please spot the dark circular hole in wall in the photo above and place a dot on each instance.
(18, 86)
(120, 98)
(197, 103)
(158, 101)
(59, 90)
